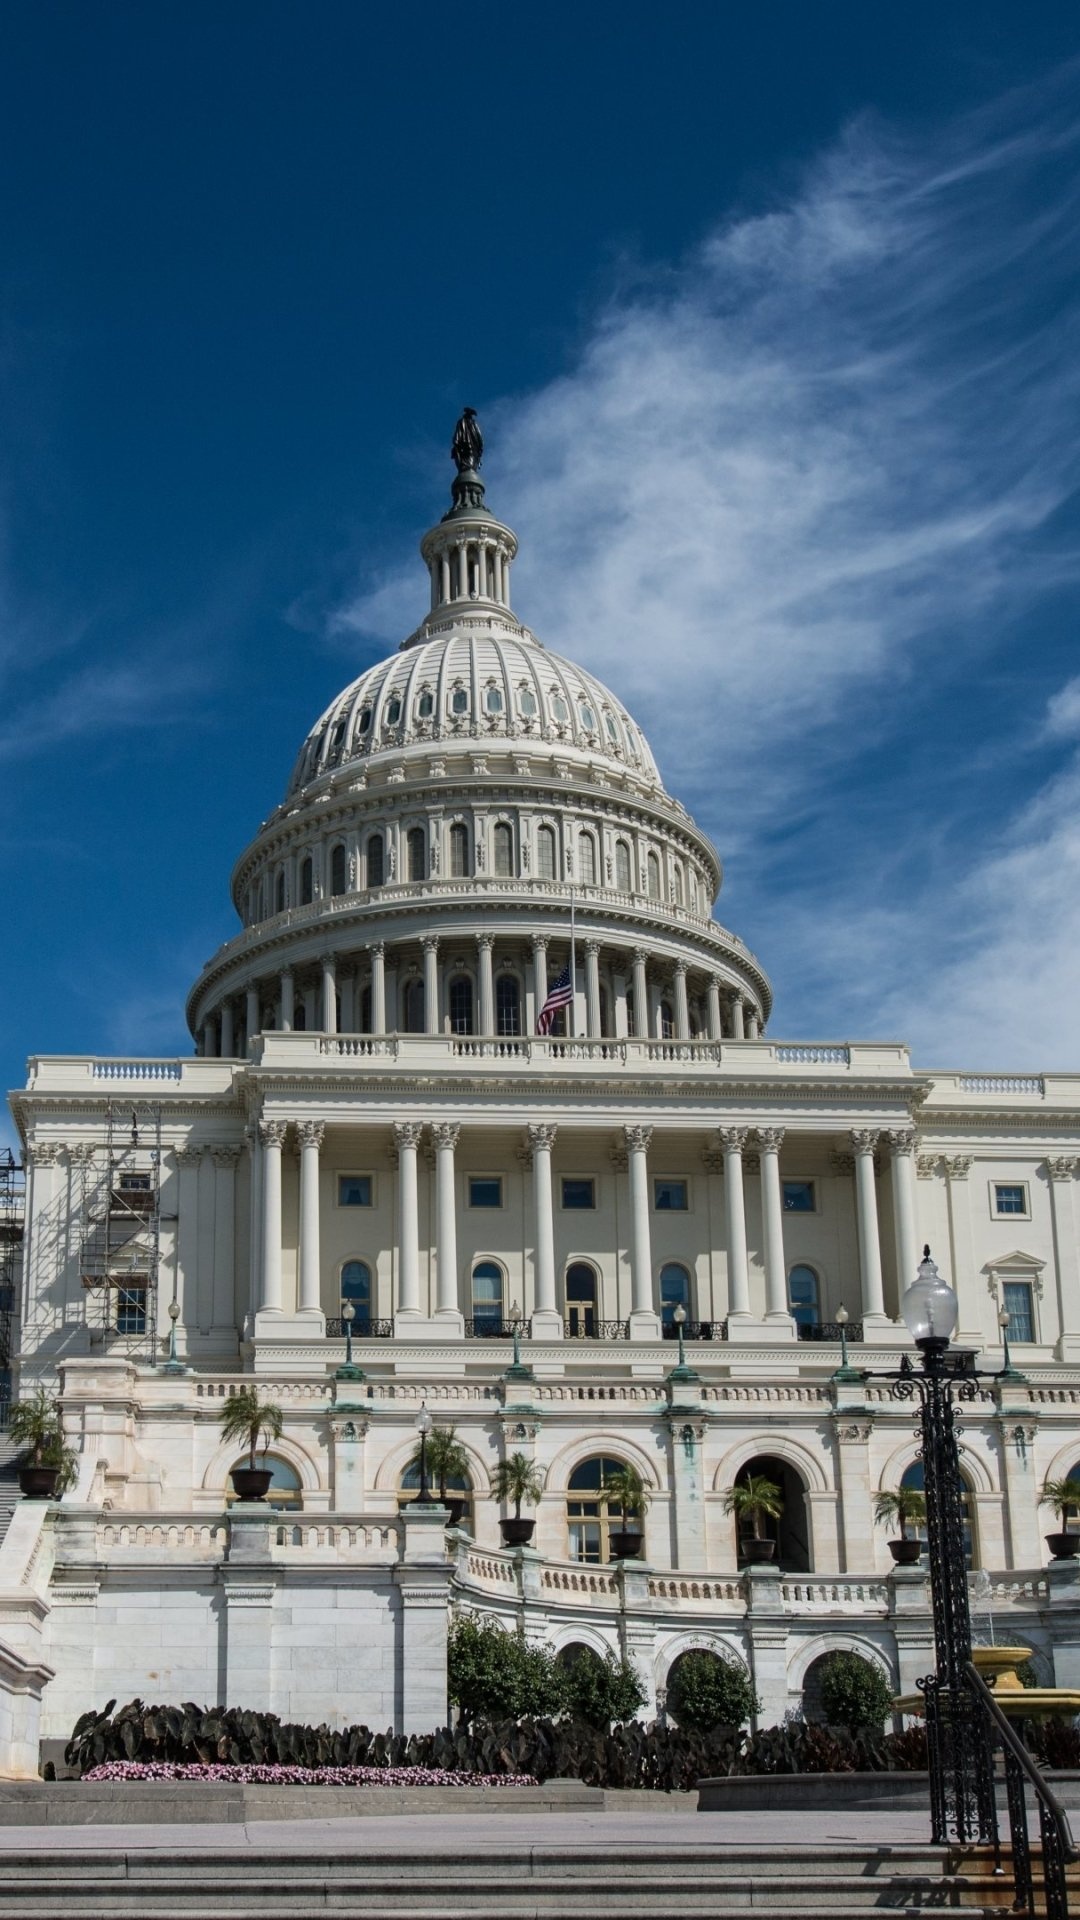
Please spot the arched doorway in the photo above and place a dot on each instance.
(581, 1300)
(791, 1532)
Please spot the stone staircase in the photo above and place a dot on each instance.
(598, 1879)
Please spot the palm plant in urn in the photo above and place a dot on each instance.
(517, 1478)
(447, 1463)
(1063, 1496)
(755, 1499)
(625, 1490)
(47, 1466)
(901, 1506)
(247, 1419)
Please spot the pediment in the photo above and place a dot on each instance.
(1016, 1262)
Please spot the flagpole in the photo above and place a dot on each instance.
(571, 1025)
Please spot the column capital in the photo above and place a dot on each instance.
(957, 1165)
(43, 1153)
(311, 1133)
(485, 942)
(641, 955)
(285, 973)
(377, 949)
(191, 1156)
(429, 942)
(541, 942)
(900, 1140)
(770, 1139)
(541, 1137)
(592, 947)
(445, 1133)
(680, 967)
(271, 1134)
(733, 1139)
(712, 1161)
(83, 1154)
(863, 1140)
(225, 1156)
(637, 1138)
(407, 1133)
(327, 959)
(1062, 1166)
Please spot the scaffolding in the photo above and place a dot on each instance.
(12, 1219)
(121, 1230)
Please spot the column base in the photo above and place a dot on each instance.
(451, 1323)
(272, 1325)
(546, 1324)
(774, 1331)
(644, 1326)
(1067, 1348)
(411, 1325)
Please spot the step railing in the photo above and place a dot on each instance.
(1058, 1846)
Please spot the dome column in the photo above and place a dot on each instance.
(378, 987)
(644, 1320)
(486, 1025)
(592, 987)
(288, 1001)
(228, 1044)
(753, 1024)
(682, 1005)
(540, 978)
(430, 945)
(329, 994)
(546, 1319)
(252, 1014)
(738, 1025)
(715, 1024)
(641, 994)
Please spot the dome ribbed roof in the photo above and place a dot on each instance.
(484, 682)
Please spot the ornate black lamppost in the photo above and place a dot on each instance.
(423, 1426)
(958, 1738)
(349, 1371)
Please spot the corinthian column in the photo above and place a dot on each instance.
(430, 944)
(592, 987)
(644, 1319)
(873, 1296)
(901, 1143)
(311, 1138)
(682, 1005)
(407, 1139)
(733, 1140)
(271, 1138)
(546, 1318)
(485, 942)
(770, 1140)
(445, 1134)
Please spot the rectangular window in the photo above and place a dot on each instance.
(579, 1195)
(670, 1196)
(356, 1190)
(131, 1310)
(135, 1183)
(1017, 1300)
(485, 1190)
(1010, 1201)
(799, 1196)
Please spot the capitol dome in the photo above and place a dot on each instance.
(449, 816)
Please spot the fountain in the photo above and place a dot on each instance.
(998, 1667)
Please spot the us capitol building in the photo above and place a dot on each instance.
(375, 1136)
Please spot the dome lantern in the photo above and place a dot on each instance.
(468, 555)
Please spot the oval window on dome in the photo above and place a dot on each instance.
(393, 711)
(425, 706)
(631, 738)
(364, 721)
(338, 734)
(527, 702)
(459, 700)
(588, 717)
(612, 729)
(494, 700)
(560, 709)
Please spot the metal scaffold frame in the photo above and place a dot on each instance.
(120, 1211)
(12, 1220)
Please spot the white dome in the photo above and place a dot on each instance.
(485, 679)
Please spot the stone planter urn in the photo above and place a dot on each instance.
(38, 1483)
(516, 1533)
(906, 1553)
(1063, 1546)
(757, 1553)
(624, 1544)
(251, 1483)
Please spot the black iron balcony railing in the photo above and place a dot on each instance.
(487, 1327)
(361, 1329)
(831, 1330)
(589, 1329)
(696, 1330)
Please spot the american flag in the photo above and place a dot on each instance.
(560, 994)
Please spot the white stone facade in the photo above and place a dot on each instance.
(370, 1097)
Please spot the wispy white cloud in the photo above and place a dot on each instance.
(820, 467)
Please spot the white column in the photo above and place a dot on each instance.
(715, 1024)
(733, 1140)
(287, 1000)
(463, 570)
(873, 1298)
(444, 576)
(682, 1004)
(228, 1048)
(311, 1138)
(738, 1029)
(641, 995)
(272, 1137)
(430, 944)
(209, 1038)
(902, 1148)
(499, 595)
(329, 994)
(445, 1135)
(407, 1139)
(484, 943)
(753, 1025)
(540, 980)
(770, 1140)
(1061, 1172)
(546, 1318)
(223, 1312)
(378, 987)
(252, 1015)
(592, 987)
(644, 1320)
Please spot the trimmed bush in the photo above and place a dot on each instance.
(706, 1690)
(496, 1675)
(853, 1693)
(599, 1688)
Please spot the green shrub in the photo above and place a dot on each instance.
(854, 1693)
(600, 1688)
(707, 1691)
(493, 1674)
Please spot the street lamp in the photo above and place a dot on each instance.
(681, 1372)
(958, 1742)
(173, 1364)
(423, 1427)
(348, 1371)
(1008, 1371)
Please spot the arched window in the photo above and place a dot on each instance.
(454, 1488)
(425, 706)
(487, 1298)
(412, 1007)
(363, 725)
(504, 850)
(652, 868)
(790, 1532)
(677, 877)
(631, 1016)
(459, 852)
(803, 1296)
(459, 701)
(581, 1292)
(588, 1518)
(507, 1005)
(674, 1292)
(913, 1477)
(622, 866)
(337, 869)
(461, 1004)
(416, 849)
(493, 700)
(527, 703)
(356, 1289)
(586, 859)
(545, 853)
(375, 855)
(307, 886)
(279, 892)
(393, 710)
(667, 1020)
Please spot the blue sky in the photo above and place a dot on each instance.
(771, 317)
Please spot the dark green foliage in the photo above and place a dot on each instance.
(854, 1693)
(599, 1689)
(707, 1691)
(493, 1674)
(668, 1759)
(1054, 1742)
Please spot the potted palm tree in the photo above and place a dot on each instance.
(517, 1478)
(247, 1419)
(906, 1504)
(755, 1499)
(624, 1488)
(47, 1467)
(446, 1460)
(1063, 1496)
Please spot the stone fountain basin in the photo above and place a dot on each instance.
(998, 1666)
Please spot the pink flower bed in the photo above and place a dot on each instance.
(254, 1776)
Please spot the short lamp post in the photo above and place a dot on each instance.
(423, 1427)
(680, 1372)
(958, 1742)
(173, 1364)
(349, 1371)
(1008, 1371)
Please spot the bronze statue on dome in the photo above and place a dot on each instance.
(467, 446)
